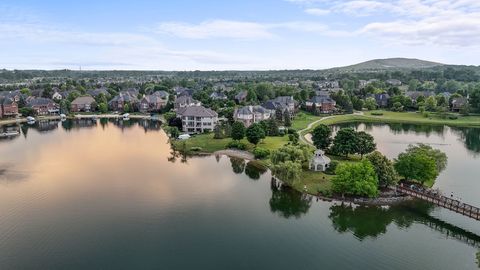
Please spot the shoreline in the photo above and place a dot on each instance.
(77, 116)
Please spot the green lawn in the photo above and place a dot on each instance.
(302, 119)
(315, 182)
(210, 145)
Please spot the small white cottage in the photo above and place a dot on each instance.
(320, 162)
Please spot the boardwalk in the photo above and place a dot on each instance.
(445, 202)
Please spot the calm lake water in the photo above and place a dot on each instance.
(112, 195)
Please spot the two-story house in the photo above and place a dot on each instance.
(197, 119)
(83, 104)
(251, 114)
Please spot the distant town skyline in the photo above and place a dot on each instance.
(240, 35)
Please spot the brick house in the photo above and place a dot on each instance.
(43, 106)
(83, 104)
(8, 107)
(320, 104)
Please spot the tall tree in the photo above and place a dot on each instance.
(344, 142)
(364, 143)
(321, 136)
(255, 133)
(287, 121)
(238, 131)
(384, 168)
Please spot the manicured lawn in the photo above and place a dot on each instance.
(413, 117)
(210, 145)
(315, 182)
(302, 119)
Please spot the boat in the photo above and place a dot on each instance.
(126, 116)
(184, 137)
(30, 119)
(63, 116)
(9, 134)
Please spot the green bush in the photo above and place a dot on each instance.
(331, 169)
(261, 153)
(377, 113)
(292, 131)
(452, 117)
(237, 145)
(196, 149)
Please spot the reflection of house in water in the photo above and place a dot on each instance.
(150, 124)
(9, 132)
(45, 125)
(79, 123)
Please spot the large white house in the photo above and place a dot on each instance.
(197, 119)
(251, 114)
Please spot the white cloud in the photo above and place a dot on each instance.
(215, 29)
(317, 11)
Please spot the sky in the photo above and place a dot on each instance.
(234, 35)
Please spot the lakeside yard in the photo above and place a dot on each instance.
(317, 182)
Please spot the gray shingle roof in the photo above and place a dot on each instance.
(197, 111)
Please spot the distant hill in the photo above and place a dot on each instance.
(388, 64)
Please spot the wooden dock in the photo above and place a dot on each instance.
(442, 201)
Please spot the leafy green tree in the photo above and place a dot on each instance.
(287, 121)
(364, 143)
(279, 115)
(271, 127)
(357, 103)
(431, 103)
(416, 166)
(474, 99)
(356, 179)
(255, 133)
(173, 132)
(288, 171)
(438, 156)
(384, 168)
(238, 131)
(370, 103)
(300, 154)
(25, 91)
(413, 85)
(344, 142)
(126, 108)
(321, 136)
(103, 107)
(397, 107)
(27, 111)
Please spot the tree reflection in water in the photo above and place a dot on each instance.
(470, 138)
(288, 202)
(254, 170)
(238, 165)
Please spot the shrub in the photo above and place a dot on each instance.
(261, 153)
(291, 131)
(331, 169)
(452, 117)
(377, 113)
(237, 145)
(196, 149)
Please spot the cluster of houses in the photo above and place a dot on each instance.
(457, 103)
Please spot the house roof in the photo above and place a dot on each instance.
(241, 95)
(197, 111)
(83, 100)
(320, 158)
(251, 110)
(322, 99)
(161, 94)
(185, 100)
(40, 102)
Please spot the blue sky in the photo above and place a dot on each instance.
(241, 35)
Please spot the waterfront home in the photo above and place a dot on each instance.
(241, 97)
(8, 107)
(320, 104)
(458, 103)
(185, 101)
(43, 106)
(320, 162)
(251, 114)
(218, 96)
(197, 119)
(123, 98)
(153, 103)
(83, 104)
(381, 99)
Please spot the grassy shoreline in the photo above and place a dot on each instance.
(316, 182)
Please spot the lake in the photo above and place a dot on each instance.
(112, 195)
